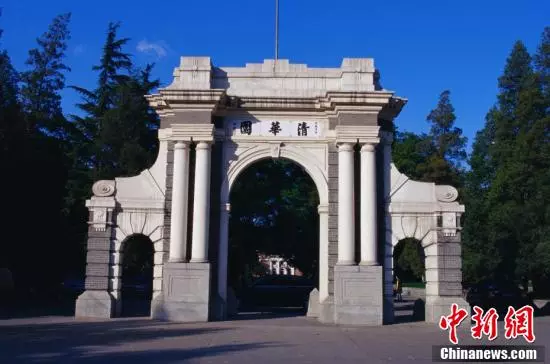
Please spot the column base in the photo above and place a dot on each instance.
(437, 306)
(389, 314)
(358, 297)
(219, 309)
(95, 304)
(313, 304)
(369, 263)
(326, 311)
(185, 293)
(346, 263)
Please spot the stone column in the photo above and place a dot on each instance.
(178, 219)
(387, 139)
(323, 252)
(346, 213)
(223, 249)
(201, 207)
(368, 206)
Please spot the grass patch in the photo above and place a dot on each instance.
(414, 285)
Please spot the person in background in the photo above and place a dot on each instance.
(398, 289)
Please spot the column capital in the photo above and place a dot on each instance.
(345, 147)
(182, 144)
(204, 144)
(367, 147)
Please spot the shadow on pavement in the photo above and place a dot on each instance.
(258, 313)
(79, 341)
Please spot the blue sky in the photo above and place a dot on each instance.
(420, 47)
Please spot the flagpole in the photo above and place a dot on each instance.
(276, 30)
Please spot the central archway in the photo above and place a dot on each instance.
(273, 238)
(238, 160)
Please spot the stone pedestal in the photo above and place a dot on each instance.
(389, 314)
(95, 304)
(437, 306)
(313, 303)
(326, 311)
(358, 296)
(185, 293)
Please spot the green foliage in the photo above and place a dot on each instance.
(506, 226)
(116, 136)
(409, 259)
(32, 131)
(45, 78)
(437, 156)
(274, 211)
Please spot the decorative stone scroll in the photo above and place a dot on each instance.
(446, 193)
(104, 188)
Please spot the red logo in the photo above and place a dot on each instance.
(519, 323)
(516, 323)
(485, 324)
(452, 321)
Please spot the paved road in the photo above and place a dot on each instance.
(259, 340)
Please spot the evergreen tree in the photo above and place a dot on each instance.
(506, 188)
(445, 163)
(534, 148)
(435, 157)
(116, 133)
(11, 124)
(45, 78)
(36, 162)
(480, 258)
(410, 153)
(12, 141)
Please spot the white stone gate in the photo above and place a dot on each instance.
(215, 122)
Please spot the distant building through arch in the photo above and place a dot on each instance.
(337, 124)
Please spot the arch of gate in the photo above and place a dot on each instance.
(214, 122)
(238, 157)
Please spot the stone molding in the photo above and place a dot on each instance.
(190, 133)
(168, 101)
(357, 134)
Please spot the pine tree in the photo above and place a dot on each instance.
(410, 153)
(117, 133)
(444, 165)
(534, 145)
(11, 124)
(510, 221)
(45, 78)
(12, 141)
(37, 162)
(480, 258)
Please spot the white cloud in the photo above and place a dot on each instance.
(159, 48)
(79, 49)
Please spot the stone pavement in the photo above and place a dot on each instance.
(259, 339)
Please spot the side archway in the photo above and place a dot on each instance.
(137, 263)
(130, 224)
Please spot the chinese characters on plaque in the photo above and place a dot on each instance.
(276, 128)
